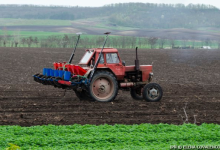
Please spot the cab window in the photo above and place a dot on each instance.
(112, 58)
(101, 61)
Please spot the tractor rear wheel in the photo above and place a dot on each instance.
(136, 93)
(103, 87)
(152, 92)
(83, 95)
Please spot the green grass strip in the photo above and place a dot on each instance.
(144, 136)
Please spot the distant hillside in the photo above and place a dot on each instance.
(139, 15)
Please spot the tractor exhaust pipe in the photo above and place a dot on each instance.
(137, 66)
(71, 58)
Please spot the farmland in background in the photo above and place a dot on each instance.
(138, 21)
(135, 15)
(62, 40)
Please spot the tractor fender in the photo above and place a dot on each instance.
(87, 74)
(107, 69)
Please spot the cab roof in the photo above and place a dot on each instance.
(107, 50)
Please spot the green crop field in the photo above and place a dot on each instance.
(144, 136)
(39, 34)
(12, 36)
(33, 22)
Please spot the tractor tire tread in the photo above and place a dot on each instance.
(145, 90)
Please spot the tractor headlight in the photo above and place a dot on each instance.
(150, 76)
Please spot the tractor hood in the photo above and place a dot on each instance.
(145, 69)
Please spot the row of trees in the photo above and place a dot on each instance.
(68, 41)
(142, 15)
(130, 4)
(166, 16)
(160, 5)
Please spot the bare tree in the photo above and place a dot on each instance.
(1, 39)
(133, 41)
(193, 41)
(29, 41)
(123, 41)
(172, 42)
(207, 41)
(86, 42)
(152, 41)
(5, 36)
(211, 42)
(99, 41)
(65, 41)
(146, 42)
(12, 43)
(115, 42)
(16, 38)
(162, 41)
(36, 41)
(73, 40)
(140, 42)
(184, 41)
(23, 41)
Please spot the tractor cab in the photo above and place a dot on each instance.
(108, 56)
(109, 60)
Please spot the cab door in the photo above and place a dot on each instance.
(114, 63)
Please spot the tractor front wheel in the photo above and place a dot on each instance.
(103, 87)
(152, 92)
(136, 93)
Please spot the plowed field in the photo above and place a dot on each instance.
(190, 79)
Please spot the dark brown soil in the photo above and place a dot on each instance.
(189, 78)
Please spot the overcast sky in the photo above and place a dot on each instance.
(97, 3)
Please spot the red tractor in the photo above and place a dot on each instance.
(100, 74)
